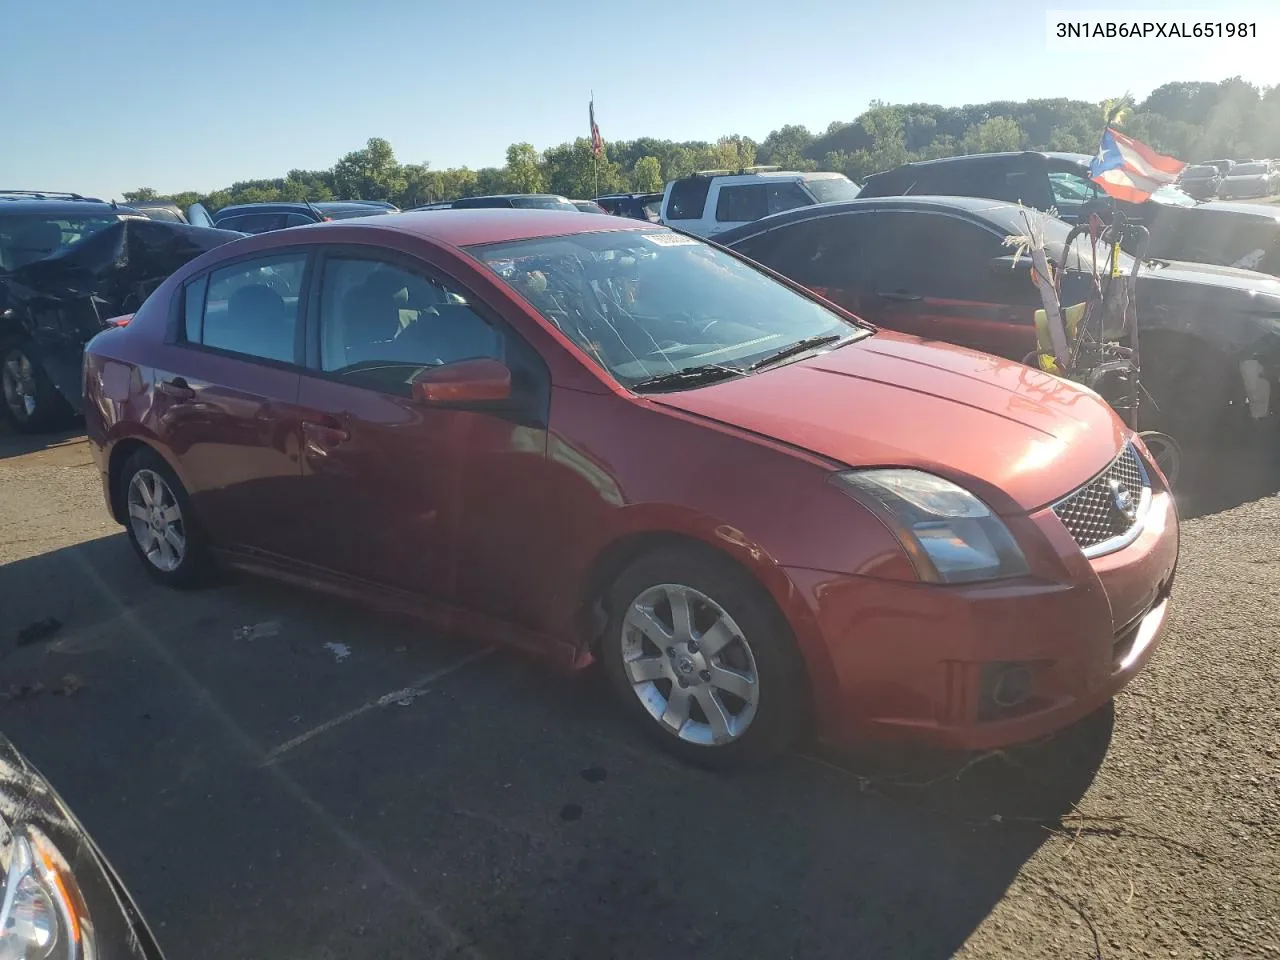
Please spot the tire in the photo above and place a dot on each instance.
(169, 544)
(1192, 392)
(755, 675)
(28, 398)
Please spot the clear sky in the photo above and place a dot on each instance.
(104, 96)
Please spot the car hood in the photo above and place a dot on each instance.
(1212, 208)
(1018, 438)
(1209, 276)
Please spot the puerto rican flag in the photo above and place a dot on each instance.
(1129, 170)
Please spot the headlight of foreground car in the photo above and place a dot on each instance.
(950, 535)
(42, 914)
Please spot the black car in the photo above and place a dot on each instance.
(937, 267)
(263, 217)
(68, 265)
(638, 206)
(59, 897)
(1201, 181)
(1245, 235)
(523, 201)
(159, 210)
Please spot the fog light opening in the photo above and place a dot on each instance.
(1011, 686)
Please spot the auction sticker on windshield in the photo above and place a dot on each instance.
(670, 239)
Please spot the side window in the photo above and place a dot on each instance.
(297, 219)
(785, 196)
(230, 223)
(826, 252)
(930, 255)
(741, 204)
(380, 325)
(252, 307)
(1071, 188)
(688, 198)
(193, 308)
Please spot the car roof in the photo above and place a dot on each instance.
(461, 228)
(265, 205)
(512, 196)
(995, 212)
(16, 203)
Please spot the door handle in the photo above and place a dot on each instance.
(323, 435)
(901, 295)
(177, 388)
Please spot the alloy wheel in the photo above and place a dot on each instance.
(156, 520)
(19, 382)
(690, 665)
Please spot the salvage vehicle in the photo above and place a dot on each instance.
(68, 266)
(535, 426)
(59, 897)
(589, 206)
(261, 217)
(712, 201)
(1245, 235)
(1248, 180)
(938, 268)
(159, 210)
(517, 201)
(1201, 182)
(641, 206)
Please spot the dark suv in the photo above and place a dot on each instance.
(1244, 235)
(263, 217)
(531, 201)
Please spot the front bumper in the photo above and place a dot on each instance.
(920, 662)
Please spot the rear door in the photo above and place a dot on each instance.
(226, 398)
(944, 278)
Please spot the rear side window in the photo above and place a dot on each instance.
(786, 196)
(931, 255)
(742, 204)
(826, 252)
(250, 308)
(297, 219)
(688, 199)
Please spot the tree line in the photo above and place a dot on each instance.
(1191, 121)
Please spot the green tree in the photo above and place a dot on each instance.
(142, 193)
(574, 171)
(524, 169)
(785, 147)
(993, 136)
(646, 175)
(369, 174)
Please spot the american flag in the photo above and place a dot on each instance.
(1129, 170)
(597, 144)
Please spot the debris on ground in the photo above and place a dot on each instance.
(39, 630)
(22, 691)
(69, 685)
(257, 631)
(340, 651)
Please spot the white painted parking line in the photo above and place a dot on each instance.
(403, 696)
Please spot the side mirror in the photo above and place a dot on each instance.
(483, 380)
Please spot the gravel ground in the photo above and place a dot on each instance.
(340, 784)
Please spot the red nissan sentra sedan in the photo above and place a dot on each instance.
(599, 438)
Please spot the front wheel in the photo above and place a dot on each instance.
(702, 660)
(31, 402)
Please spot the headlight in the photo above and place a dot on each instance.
(950, 535)
(42, 915)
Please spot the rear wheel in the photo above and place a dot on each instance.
(701, 659)
(160, 522)
(31, 403)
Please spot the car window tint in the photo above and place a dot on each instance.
(1071, 188)
(193, 309)
(826, 252)
(742, 204)
(298, 219)
(931, 255)
(380, 325)
(688, 199)
(785, 196)
(252, 307)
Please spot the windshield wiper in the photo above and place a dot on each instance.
(689, 377)
(800, 346)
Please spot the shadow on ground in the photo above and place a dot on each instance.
(505, 812)
(13, 444)
(1220, 478)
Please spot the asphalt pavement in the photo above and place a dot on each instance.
(277, 774)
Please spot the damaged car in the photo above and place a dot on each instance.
(67, 266)
(1244, 235)
(938, 268)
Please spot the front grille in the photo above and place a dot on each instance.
(1093, 514)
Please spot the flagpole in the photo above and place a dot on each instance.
(595, 160)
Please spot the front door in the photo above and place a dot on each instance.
(424, 499)
(226, 399)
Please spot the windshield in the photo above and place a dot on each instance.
(25, 239)
(1173, 196)
(1249, 170)
(650, 303)
(830, 189)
